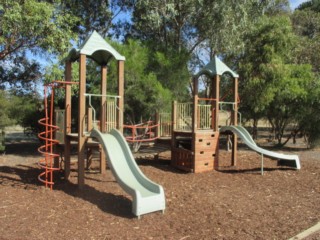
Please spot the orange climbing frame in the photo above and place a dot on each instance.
(47, 136)
(148, 129)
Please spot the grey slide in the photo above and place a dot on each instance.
(247, 139)
(147, 196)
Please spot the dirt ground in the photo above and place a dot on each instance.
(231, 203)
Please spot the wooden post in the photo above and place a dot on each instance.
(195, 105)
(121, 94)
(216, 96)
(235, 122)
(157, 123)
(215, 119)
(174, 117)
(67, 120)
(103, 103)
(173, 125)
(81, 119)
(103, 116)
(194, 121)
(173, 128)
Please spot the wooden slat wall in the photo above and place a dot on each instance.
(111, 114)
(165, 124)
(184, 116)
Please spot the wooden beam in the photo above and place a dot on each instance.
(103, 103)
(195, 105)
(81, 120)
(67, 120)
(121, 94)
(216, 96)
(103, 115)
(235, 122)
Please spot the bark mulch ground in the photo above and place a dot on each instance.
(231, 203)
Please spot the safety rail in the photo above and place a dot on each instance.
(111, 110)
(165, 121)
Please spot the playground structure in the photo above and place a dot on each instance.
(147, 196)
(97, 49)
(195, 131)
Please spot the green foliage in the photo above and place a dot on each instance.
(273, 88)
(306, 24)
(171, 70)
(313, 5)
(4, 109)
(18, 109)
(30, 26)
(19, 74)
(144, 94)
(96, 15)
(267, 50)
(290, 99)
(167, 30)
(2, 141)
(181, 34)
(33, 25)
(26, 110)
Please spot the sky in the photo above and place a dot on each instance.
(296, 3)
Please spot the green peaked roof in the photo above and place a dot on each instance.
(96, 48)
(216, 67)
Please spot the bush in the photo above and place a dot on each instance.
(2, 141)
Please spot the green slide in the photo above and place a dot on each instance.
(247, 139)
(147, 196)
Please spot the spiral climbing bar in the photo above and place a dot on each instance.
(47, 150)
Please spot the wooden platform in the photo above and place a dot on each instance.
(151, 151)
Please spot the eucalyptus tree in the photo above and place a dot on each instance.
(306, 24)
(185, 34)
(273, 87)
(99, 15)
(30, 26)
(313, 5)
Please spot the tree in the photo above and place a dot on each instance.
(267, 75)
(275, 88)
(309, 118)
(306, 24)
(26, 110)
(188, 33)
(19, 74)
(96, 15)
(34, 26)
(291, 101)
(313, 5)
(30, 27)
(4, 109)
(144, 94)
